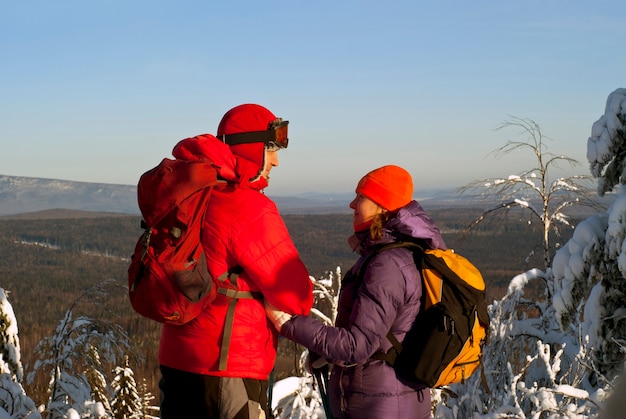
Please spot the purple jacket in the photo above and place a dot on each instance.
(386, 298)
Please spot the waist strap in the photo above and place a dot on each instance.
(235, 295)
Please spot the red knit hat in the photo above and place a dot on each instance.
(248, 117)
(390, 186)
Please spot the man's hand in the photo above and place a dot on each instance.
(277, 317)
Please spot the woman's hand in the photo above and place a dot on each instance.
(314, 362)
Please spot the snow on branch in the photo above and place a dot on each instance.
(606, 147)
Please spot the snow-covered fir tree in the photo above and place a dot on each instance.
(592, 279)
(100, 392)
(10, 356)
(148, 409)
(126, 403)
(14, 403)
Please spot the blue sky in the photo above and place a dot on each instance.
(100, 91)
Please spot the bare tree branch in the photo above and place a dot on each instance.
(533, 190)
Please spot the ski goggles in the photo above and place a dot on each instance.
(274, 137)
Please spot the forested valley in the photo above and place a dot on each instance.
(50, 259)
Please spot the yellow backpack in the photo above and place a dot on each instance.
(445, 343)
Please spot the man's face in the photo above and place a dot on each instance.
(271, 160)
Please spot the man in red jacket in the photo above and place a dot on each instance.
(218, 364)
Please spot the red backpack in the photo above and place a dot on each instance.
(168, 280)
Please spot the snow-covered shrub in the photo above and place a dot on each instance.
(299, 397)
(68, 354)
(532, 368)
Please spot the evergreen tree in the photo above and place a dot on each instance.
(10, 362)
(149, 411)
(598, 288)
(13, 400)
(126, 403)
(97, 381)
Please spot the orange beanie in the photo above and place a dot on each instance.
(391, 187)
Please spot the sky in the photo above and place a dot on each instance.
(101, 91)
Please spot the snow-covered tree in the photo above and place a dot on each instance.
(14, 403)
(10, 356)
(100, 392)
(65, 354)
(148, 410)
(534, 190)
(593, 278)
(126, 403)
(606, 148)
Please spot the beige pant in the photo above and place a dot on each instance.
(189, 395)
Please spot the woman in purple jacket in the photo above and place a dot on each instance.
(386, 297)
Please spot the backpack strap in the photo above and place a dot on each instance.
(390, 356)
(235, 295)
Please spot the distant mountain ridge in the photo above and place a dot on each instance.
(19, 195)
(25, 194)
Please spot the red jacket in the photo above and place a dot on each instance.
(242, 228)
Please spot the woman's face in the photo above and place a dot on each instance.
(364, 210)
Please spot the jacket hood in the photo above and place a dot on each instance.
(246, 118)
(410, 223)
(230, 167)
